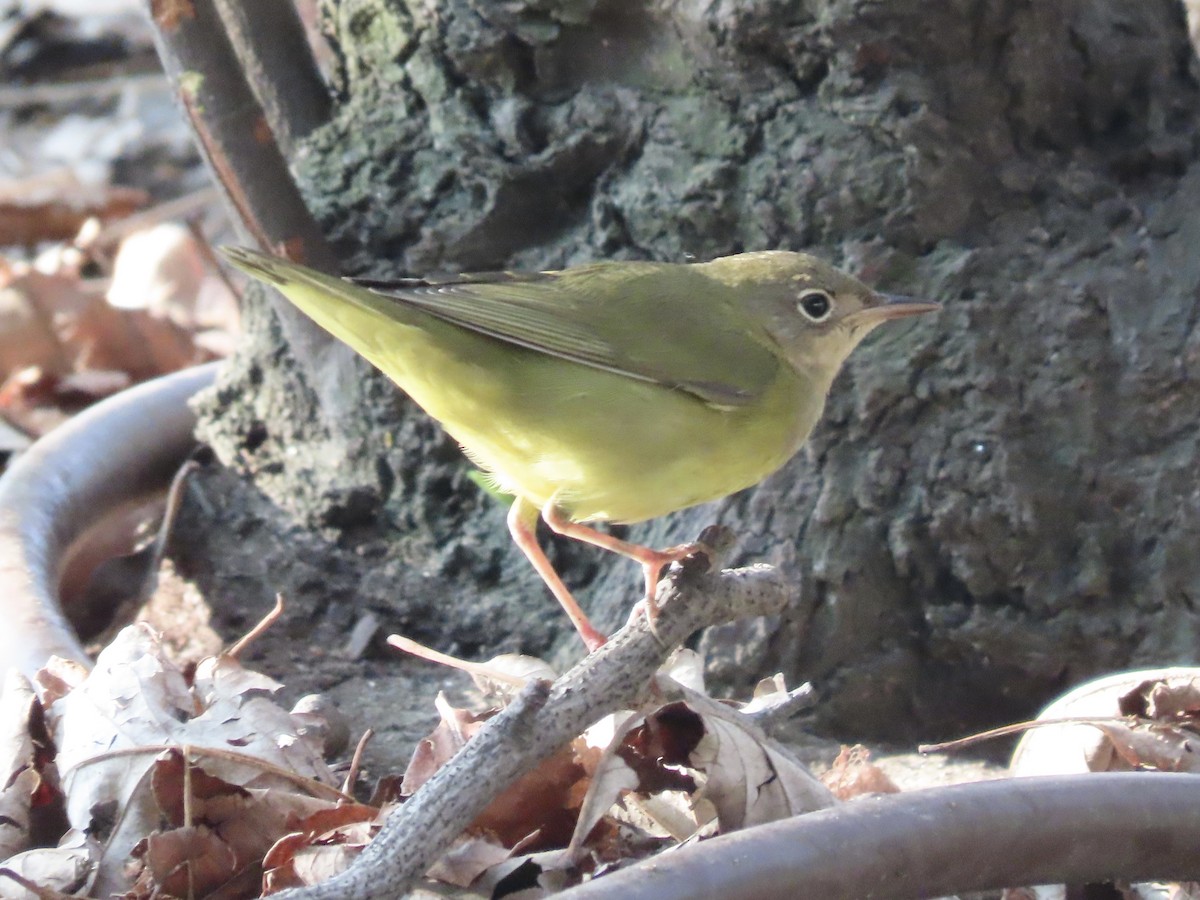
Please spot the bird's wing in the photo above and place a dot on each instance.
(659, 323)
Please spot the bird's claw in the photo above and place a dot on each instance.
(652, 565)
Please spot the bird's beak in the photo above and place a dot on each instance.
(894, 306)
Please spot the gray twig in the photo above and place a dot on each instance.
(513, 743)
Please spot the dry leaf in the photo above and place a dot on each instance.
(469, 858)
(58, 678)
(503, 676)
(435, 750)
(529, 876)
(63, 346)
(1165, 699)
(165, 271)
(112, 730)
(322, 845)
(53, 205)
(752, 779)
(313, 865)
(544, 802)
(686, 667)
(667, 814)
(1066, 748)
(240, 713)
(609, 776)
(853, 775)
(70, 867)
(29, 300)
(1152, 746)
(189, 861)
(17, 764)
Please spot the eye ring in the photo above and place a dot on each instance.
(816, 305)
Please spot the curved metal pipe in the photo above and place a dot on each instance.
(1128, 826)
(119, 452)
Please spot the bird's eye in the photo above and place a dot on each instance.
(817, 305)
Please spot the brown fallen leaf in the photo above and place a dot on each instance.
(322, 845)
(125, 730)
(186, 862)
(62, 346)
(28, 302)
(435, 749)
(751, 778)
(165, 271)
(69, 868)
(609, 776)
(854, 775)
(1150, 745)
(53, 205)
(1123, 720)
(133, 341)
(1167, 699)
(468, 859)
(18, 764)
(545, 801)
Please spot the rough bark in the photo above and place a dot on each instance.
(1001, 500)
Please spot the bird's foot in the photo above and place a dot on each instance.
(653, 562)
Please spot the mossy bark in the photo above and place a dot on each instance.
(1001, 500)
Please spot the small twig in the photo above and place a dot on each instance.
(302, 783)
(239, 646)
(167, 525)
(514, 742)
(185, 752)
(941, 841)
(411, 647)
(210, 255)
(356, 762)
(1022, 727)
(779, 709)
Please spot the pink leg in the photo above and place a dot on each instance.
(522, 520)
(652, 560)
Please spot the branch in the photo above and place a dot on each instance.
(514, 742)
(244, 159)
(232, 131)
(277, 60)
(1072, 829)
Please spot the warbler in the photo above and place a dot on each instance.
(612, 391)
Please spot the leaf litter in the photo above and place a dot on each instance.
(175, 782)
(106, 275)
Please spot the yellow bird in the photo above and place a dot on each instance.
(613, 391)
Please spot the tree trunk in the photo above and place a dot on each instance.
(1001, 500)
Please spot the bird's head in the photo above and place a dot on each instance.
(814, 313)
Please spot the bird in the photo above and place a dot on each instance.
(608, 392)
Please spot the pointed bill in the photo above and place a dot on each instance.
(895, 306)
